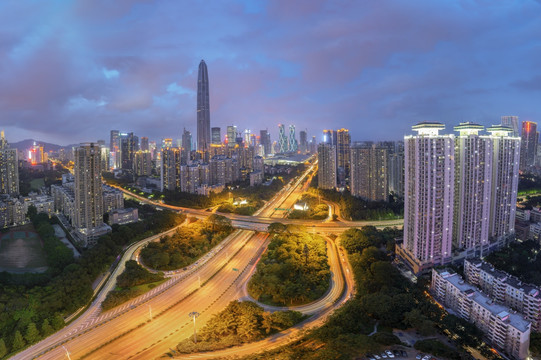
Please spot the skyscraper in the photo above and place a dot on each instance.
(429, 187)
(293, 146)
(89, 210)
(326, 166)
(330, 137)
(511, 122)
(216, 136)
(170, 171)
(9, 168)
(528, 146)
(128, 146)
(369, 178)
(203, 108)
(303, 142)
(114, 148)
(264, 139)
(282, 138)
(186, 147)
(231, 136)
(473, 182)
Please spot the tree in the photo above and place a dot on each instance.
(276, 228)
(46, 328)
(57, 322)
(3, 349)
(18, 341)
(218, 222)
(32, 333)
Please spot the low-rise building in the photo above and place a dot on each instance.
(123, 216)
(505, 329)
(505, 289)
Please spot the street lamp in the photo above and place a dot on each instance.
(194, 314)
(67, 353)
(150, 312)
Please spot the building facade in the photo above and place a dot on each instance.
(203, 108)
(528, 146)
(326, 166)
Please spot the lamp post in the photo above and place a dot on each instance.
(150, 312)
(67, 353)
(194, 314)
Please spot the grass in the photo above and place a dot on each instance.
(36, 184)
(21, 253)
(120, 295)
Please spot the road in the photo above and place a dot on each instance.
(127, 332)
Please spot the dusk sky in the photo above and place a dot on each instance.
(70, 71)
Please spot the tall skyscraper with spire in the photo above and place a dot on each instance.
(203, 108)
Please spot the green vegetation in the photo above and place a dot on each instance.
(354, 208)
(130, 284)
(520, 260)
(22, 250)
(383, 296)
(32, 180)
(238, 323)
(316, 211)
(45, 299)
(187, 244)
(529, 184)
(293, 271)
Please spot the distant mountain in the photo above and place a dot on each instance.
(27, 144)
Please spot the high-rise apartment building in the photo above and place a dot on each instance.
(186, 147)
(9, 168)
(326, 166)
(89, 210)
(128, 146)
(528, 146)
(282, 139)
(203, 108)
(330, 137)
(343, 142)
(216, 135)
(470, 181)
(143, 163)
(505, 168)
(170, 170)
(369, 178)
(429, 194)
(511, 122)
(473, 185)
(395, 166)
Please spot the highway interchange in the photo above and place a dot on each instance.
(154, 323)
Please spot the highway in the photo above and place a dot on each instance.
(154, 323)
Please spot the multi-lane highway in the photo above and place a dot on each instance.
(154, 323)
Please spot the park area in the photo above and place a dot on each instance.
(21, 250)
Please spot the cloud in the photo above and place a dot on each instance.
(73, 71)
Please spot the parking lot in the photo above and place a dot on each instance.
(397, 352)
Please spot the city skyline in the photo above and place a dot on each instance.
(64, 82)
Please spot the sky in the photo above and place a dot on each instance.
(71, 71)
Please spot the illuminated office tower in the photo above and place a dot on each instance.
(429, 194)
(203, 108)
(231, 136)
(89, 210)
(128, 146)
(282, 139)
(505, 169)
(293, 145)
(326, 166)
(9, 168)
(114, 148)
(511, 122)
(216, 136)
(473, 185)
(528, 146)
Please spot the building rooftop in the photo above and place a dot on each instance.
(516, 320)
